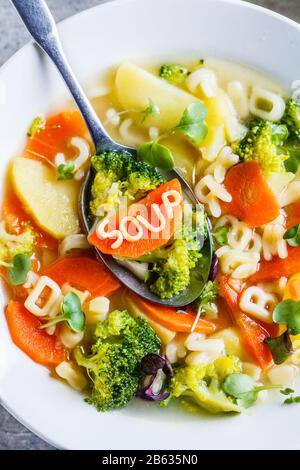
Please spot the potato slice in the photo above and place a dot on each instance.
(233, 342)
(134, 87)
(51, 203)
(162, 332)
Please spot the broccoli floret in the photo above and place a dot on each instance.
(120, 174)
(193, 234)
(209, 293)
(263, 143)
(173, 73)
(12, 245)
(171, 265)
(142, 179)
(171, 270)
(37, 125)
(291, 118)
(205, 304)
(113, 365)
(202, 385)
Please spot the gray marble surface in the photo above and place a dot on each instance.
(12, 36)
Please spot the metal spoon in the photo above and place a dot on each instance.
(41, 25)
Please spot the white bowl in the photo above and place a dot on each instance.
(29, 85)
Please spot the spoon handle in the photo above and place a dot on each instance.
(41, 25)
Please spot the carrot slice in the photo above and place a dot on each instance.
(253, 333)
(15, 216)
(171, 319)
(293, 214)
(83, 273)
(55, 137)
(277, 267)
(149, 241)
(27, 335)
(252, 199)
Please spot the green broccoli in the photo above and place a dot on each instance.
(263, 143)
(37, 125)
(173, 73)
(113, 365)
(193, 234)
(208, 296)
(12, 245)
(120, 174)
(202, 385)
(291, 118)
(171, 270)
(171, 265)
(205, 304)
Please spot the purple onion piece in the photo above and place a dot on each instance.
(146, 382)
(151, 363)
(214, 268)
(149, 396)
(151, 387)
(167, 368)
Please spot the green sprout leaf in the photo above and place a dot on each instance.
(293, 236)
(151, 110)
(156, 155)
(244, 389)
(71, 313)
(37, 125)
(221, 235)
(18, 269)
(65, 171)
(247, 399)
(238, 384)
(287, 313)
(281, 347)
(192, 123)
(287, 391)
(291, 400)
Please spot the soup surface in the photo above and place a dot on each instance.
(234, 135)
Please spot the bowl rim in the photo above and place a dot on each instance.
(110, 4)
(114, 4)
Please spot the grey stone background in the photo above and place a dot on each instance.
(12, 36)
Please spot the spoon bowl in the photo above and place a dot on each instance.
(41, 25)
(199, 275)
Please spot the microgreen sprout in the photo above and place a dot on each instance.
(18, 269)
(72, 314)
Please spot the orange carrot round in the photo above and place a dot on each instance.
(55, 137)
(277, 267)
(172, 319)
(15, 216)
(293, 214)
(83, 273)
(27, 335)
(253, 201)
(149, 241)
